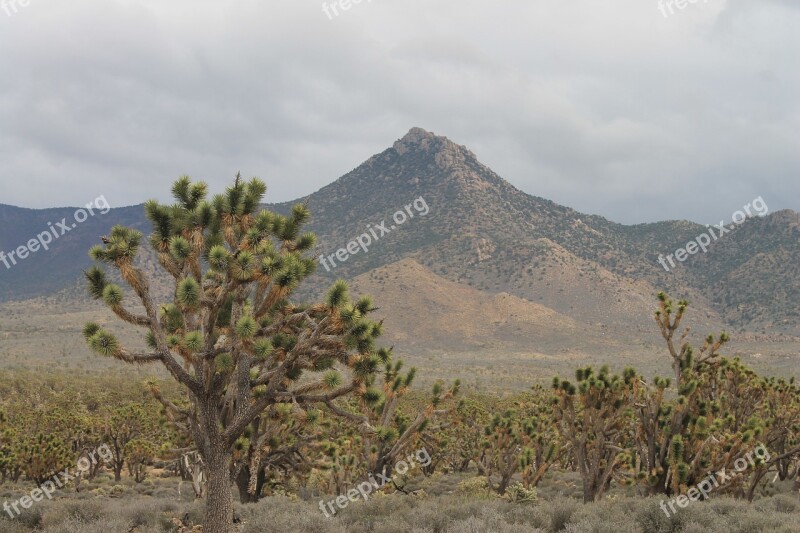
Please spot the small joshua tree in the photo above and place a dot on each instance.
(230, 335)
(780, 413)
(388, 433)
(123, 425)
(8, 459)
(139, 453)
(594, 418)
(458, 440)
(44, 455)
(502, 449)
(675, 437)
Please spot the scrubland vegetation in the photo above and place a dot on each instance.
(292, 403)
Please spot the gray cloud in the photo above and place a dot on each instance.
(607, 107)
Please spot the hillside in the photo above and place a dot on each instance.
(490, 264)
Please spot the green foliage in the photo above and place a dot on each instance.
(518, 493)
(43, 455)
(104, 343)
(188, 293)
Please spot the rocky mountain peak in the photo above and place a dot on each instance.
(418, 139)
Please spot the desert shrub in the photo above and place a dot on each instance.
(429, 517)
(195, 511)
(444, 513)
(476, 486)
(139, 512)
(699, 513)
(107, 525)
(396, 513)
(439, 484)
(724, 506)
(601, 517)
(595, 525)
(168, 506)
(278, 514)
(517, 493)
(752, 521)
(489, 522)
(171, 494)
(651, 518)
(86, 511)
(9, 526)
(10, 494)
(494, 515)
(367, 515)
(29, 518)
(59, 512)
(782, 503)
(533, 516)
(82, 495)
(562, 510)
(694, 527)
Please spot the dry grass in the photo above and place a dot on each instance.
(443, 510)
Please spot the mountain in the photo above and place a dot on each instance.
(482, 231)
(459, 316)
(452, 245)
(46, 271)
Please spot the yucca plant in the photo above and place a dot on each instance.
(231, 336)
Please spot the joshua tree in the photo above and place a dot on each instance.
(230, 336)
(779, 411)
(43, 455)
(502, 449)
(683, 357)
(709, 422)
(543, 447)
(10, 467)
(459, 439)
(277, 447)
(139, 453)
(594, 419)
(122, 425)
(387, 432)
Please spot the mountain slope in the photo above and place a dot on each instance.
(419, 306)
(461, 222)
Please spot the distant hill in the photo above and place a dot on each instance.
(491, 262)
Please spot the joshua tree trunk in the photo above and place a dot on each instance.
(219, 499)
(243, 484)
(117, 462)
(504, 481)
(588, 492)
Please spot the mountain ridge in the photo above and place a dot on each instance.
(482, 232)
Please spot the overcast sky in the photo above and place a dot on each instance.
(607, 107)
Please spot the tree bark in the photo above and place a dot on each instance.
(243, 484)
(219, 498)
(588, 491)
(505, 479)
